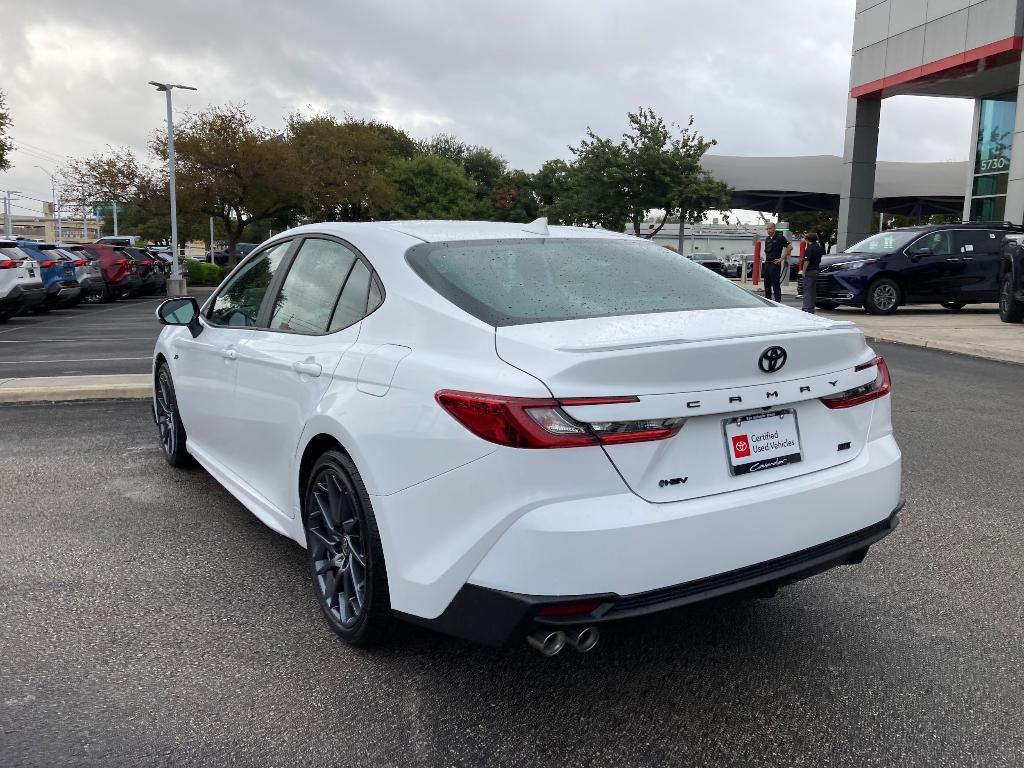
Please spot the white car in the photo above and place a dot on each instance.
(21, 282)
(508, 430)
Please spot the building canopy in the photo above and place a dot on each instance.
(813, 183)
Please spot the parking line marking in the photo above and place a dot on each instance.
(92, 313)
(74, 360)
(81, 339)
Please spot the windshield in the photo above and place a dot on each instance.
(884, 242)
(513, 282)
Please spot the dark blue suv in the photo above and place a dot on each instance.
(948, 264)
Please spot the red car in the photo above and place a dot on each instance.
(120, 273)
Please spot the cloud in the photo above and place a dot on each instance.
(523, 78)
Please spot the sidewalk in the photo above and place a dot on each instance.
(975, 330)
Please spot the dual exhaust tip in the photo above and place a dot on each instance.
(551, 642)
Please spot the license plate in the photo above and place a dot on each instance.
(764, 441)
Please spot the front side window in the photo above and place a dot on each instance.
(939, 243)
(238, 302)
(311, 288)
(512, 282)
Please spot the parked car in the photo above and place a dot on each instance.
(733, 264)
(21, 284)
(1011, 279)
(59, 281)
(472, 426)
(709, 261)
(120, 276)
(150, 269)
(948, 264)
(87, 270)
(116, 240)
(220, 258)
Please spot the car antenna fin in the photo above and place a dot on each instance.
(538, 226)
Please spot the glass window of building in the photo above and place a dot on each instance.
(992, 160)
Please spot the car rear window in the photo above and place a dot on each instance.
(514, 282)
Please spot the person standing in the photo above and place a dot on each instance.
(776, 250)
(812, 263)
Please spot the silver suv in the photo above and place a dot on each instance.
(87, 271)
(21, 283)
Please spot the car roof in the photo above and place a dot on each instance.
(448, 231)
(1004, 225)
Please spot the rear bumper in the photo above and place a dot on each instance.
(637, 556)
(20, 297)
(66, 290)
(127, 284)
(493, 617)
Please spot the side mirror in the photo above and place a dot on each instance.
(181, 310)
(922, 251)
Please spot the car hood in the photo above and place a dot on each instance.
(842, 258)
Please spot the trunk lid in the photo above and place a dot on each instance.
(705, 366)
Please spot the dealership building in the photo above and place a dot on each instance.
(961, 48)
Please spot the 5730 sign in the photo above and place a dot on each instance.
(994, 164)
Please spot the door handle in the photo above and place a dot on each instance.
(307, 367)
(229, 354)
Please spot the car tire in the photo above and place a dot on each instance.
(1011, 310)
(954, 306)
(826, 304)
(344, 552)
(72, 303)
(168, 419)
(883, 297)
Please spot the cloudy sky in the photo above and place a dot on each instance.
(524, 78)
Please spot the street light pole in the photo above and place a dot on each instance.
(176, 285)
(56, 203)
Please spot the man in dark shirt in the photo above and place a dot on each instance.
(812, 263)
(776, 250)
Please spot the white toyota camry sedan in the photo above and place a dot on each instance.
(509, 431)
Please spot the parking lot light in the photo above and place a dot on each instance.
(176, 285)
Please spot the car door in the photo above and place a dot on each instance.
(285, 368)
(980, 251)
(205, 366)
(933, 271)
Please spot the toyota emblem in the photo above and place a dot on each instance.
(772, 359)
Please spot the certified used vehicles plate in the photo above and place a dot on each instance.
(764, 441)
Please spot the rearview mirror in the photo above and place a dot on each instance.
(181, 310)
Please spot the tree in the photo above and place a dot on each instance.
(6, 146)
(116, 176)
(484, 166)
(234, 170)
(344, 166)
(513, 198)
(432, 187)
(825, 224)
(655, 166)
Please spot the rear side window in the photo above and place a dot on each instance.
(979, 241)
(352, 304)
(311, 287)
(238, 302)
(513, 282)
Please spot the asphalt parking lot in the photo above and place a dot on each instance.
(88, 339)
(148, 619)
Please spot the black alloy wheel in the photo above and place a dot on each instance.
(168, 421)
(883, 297)
(1011, 310)
(95, 297)
(346, 560)
(954, 306)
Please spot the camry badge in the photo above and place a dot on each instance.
(772, 359)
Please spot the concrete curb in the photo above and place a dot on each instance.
(52, 389)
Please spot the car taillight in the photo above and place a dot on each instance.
(523, 422)
(80, 262)
(9, 264)
(122, 262)
(47, 264)
(880, 387)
